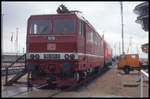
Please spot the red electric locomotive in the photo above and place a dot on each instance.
(62, 49)
(107, 54)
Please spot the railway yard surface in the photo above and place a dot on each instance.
(110, 84)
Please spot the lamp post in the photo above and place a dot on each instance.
(122, 26)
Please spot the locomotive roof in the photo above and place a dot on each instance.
(52, 14)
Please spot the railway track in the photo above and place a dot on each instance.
(82, 83)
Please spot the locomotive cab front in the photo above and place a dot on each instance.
(52, 46)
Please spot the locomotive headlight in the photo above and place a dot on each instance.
(37, 56)
(67, 56)
(31, 56)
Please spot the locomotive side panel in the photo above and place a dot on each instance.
(81, 45)
(90, 47)
(94, 48)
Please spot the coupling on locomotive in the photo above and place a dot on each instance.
(63, 48)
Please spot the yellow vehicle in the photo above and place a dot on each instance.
(128, 62)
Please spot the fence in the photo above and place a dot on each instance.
(143, 74)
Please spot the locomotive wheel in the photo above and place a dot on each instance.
(77, 76)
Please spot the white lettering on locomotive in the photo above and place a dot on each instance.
(61, 55)
(51, 56)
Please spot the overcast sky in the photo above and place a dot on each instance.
(104, 16)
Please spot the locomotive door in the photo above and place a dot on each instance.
(82, 40)
(84, 36)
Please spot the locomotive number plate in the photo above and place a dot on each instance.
(51, 56)
(51, 46)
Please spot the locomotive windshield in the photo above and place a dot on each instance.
(64, 26)
(40, 27)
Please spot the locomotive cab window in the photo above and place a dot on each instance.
(62, 26)
(81, 28)
(122, 57)
(40, 27)
(133, 57)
